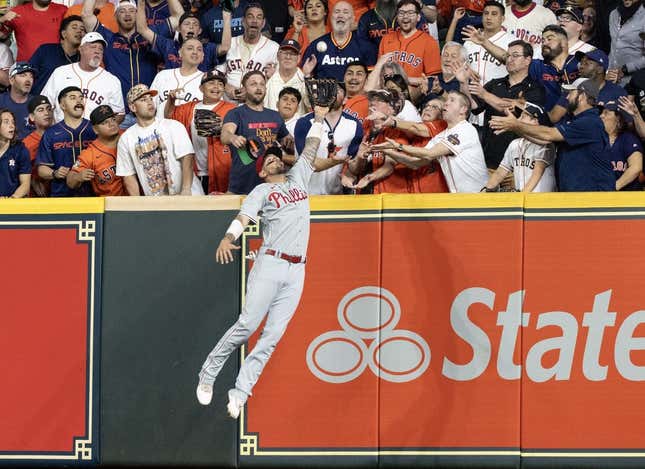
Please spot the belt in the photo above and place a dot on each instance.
(286, 257)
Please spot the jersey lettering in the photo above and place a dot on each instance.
(327, 60)
(294, 195)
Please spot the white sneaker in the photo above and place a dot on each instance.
(235, 404)
(204, 393)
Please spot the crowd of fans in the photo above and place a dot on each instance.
(169, 97)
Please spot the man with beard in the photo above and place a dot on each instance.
(98, 85)
(181, 85)
(337, 48)
(21, 79)
(584, 160)
(50, 56)
(212, 21)
(526, 21)
(249, 52)
(188, 28)
(416, 51)
(212, 158)
(277, 278)
(155, 156)
(342, 136)
(41, 114)
(457, 148)
(97, 163)
(356, 102)
(288, 74)
(33, 24)
(500, 94)
(248, 126)
(62, 143)
(128, 54)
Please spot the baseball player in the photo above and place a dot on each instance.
(97, 163)
(97, 84)
(530, 163)
(249, 52)
(276, 280)
(62, 143)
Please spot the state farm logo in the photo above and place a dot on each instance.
(368, 317)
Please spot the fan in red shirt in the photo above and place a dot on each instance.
(41, 114)
(34, 24)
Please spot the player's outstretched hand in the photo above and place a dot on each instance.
(224, 253)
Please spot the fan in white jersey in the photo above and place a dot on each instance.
(571, 20)
(181, 83)
(98, 85)
(526, 20)
(530, 163)
(248, 52)
(457, 148)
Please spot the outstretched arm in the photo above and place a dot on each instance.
(87, 13)
(142, 23)
(224, 253)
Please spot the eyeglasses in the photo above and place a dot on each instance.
(565, 19)
(515, 56)
(404, 13)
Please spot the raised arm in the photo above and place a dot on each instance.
(89, 18)
(373, 81)
(223, 48)
(176, 10)
(432, 153)
(475, 35)
(142, 23)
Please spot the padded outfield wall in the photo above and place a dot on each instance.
(495, 330)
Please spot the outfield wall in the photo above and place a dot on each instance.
(486, 330)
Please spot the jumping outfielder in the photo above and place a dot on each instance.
(276, 280)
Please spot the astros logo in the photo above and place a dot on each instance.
(368, 317)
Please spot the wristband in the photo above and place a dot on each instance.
(235, 229)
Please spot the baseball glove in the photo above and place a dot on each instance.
(322, 91)
(207, 123)
(227, 5)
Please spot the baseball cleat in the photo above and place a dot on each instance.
(204, 393)
(235, 404)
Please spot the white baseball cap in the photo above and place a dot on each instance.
(93, 37)
(124, 3)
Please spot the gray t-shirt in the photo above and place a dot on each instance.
(284, 209)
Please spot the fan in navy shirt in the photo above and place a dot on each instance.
(62, 143)
(584, 161)
(213, 22)
(157, 12)
(593, 65)
(332, 52)
(15, 164)
(244, 126)
(50, 56)
(21, 79)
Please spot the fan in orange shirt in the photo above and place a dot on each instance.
(356, 104)
(212, 158)
(103, 10)
(416, 51)
(97, 162)
(41, 114)
(309, 24)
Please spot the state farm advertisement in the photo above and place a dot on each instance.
(461, 334)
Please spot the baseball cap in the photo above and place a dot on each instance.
(613, 106)
(66, 90)
(533, 110)
(124, 3)
(93, 37)
(575, 12)
(596, 55)
(584, 84)
(139, 91)
(20, 67)
(186, 15)
(271, 150)
(290, 44)
(213, 75)
(37, 101)
(100, 114)
(382, 95)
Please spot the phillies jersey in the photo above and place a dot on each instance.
(99, 87)
(528, 25)
(241, 58)
(332, 62)
(61, 145)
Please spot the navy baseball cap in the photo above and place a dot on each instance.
(613, 106)
(37, 101)
(188, 14)
(101, 114)
(213, 75)
(67, 90)
(575, 12)
(290, 44)
(20, 67)
(596, 55)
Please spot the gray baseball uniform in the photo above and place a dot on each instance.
(274, 284)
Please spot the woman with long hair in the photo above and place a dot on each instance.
(15, 164)
(311, 24)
